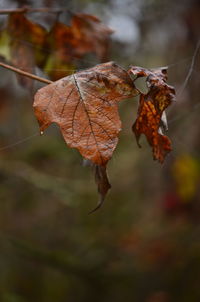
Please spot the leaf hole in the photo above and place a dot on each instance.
(140, 84)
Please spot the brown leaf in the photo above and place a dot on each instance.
(84, 105)
(151, 110)
(61, 37)
(91, 35)
(20, 28)
(86, 34)
(103, 185)
(148, 123)
(27, 40)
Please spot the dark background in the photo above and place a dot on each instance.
(144, 244)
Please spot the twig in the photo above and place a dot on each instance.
(190, 70)
(27, 9)
(27, 74)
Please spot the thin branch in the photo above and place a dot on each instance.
(27, 74)
(27, 9)
(190, 70)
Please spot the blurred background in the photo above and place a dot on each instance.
(144, 244)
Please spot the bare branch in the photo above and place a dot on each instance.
(27, 74)
(27, 9)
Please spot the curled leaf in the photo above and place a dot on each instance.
(103, 185)
(148, 123)
(151, 112)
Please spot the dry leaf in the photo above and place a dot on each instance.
(148, 123)
(152, 109)
(87, 34)
(84, 105)
(27, 40)
(103, 185)
(91, 35)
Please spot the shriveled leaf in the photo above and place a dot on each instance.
(148, 123)
(151, 112)
(103, 185)
(91, 35)
(84, 105)
(27, 40)
(154, 75)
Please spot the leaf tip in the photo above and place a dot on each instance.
(99, 204)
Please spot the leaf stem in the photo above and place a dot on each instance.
(27, 74)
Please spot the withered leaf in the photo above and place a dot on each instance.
(27, 40)
(87, 34)
(22, 29)
(84, 105)
(148, 123)
(152, 109)
(91, 35)
(103, 184)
